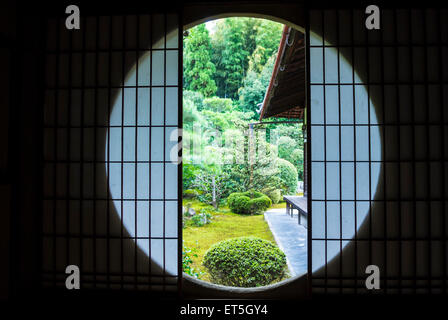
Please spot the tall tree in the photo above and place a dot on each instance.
(230, 56)
(198, 67)
(254, 87)
(250, 32)
(267, 36)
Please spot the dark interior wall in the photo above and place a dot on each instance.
(19, 144)
(291, 13)
(25, 36)
(29, 141)
(7, 36)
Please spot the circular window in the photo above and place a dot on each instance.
(142, 132)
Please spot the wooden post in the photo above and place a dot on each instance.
(305, 170)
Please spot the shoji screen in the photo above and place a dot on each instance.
(378, 134)
(110, 123)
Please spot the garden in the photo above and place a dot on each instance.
(233, 171)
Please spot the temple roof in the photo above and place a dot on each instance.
(285, 96)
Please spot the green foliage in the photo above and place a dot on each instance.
(231, 120)
(211, 183)
(288, 175)
(198, 67)
(211, 113)
(202, 218)
(259, 205)
(267, 36)
(274, 194)
(290, 145)
(249, 202)
(223, 121)
(230, 56)
(195, 97)
(254, 87)
(239, 45)
(217, 104)
(191, 194)
(219, 63)
(267, 39)
(296, 158)
(189, 175)
(187, 260)
(259, 170)
(238, 203)
(245, 262)
(191, 114)
(222, 114)
(225, 225)
(285, 145)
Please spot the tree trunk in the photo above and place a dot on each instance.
(214, 203)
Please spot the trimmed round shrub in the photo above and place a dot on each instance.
(239, 204)
(245, 262)
(288, 175)
(248, 202)
(274, 194)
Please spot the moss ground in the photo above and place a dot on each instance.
(225, 225)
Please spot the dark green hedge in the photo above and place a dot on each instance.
(248, 202)
(245, 262)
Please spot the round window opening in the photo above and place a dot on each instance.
(230, 199)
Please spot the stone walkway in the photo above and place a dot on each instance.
(290, 237)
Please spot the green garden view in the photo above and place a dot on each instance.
(234, 171)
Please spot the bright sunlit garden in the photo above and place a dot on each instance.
(234, 168)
